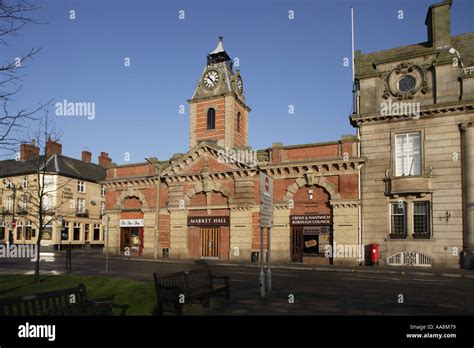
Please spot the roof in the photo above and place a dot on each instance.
(366, 63)
(58, 164)
(220, 46)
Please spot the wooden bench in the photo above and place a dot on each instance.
(72, 301)
(186, 287)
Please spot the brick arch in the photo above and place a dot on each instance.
(131, 193)
(319, 181)
(198, 188)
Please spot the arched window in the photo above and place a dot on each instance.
(238, 122)
(211, 118)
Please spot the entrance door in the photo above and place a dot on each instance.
(210, 242)
(126, 239)
(297, 244)
(132, 239)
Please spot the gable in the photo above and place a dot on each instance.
(204, 156)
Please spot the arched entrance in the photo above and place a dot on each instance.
(310, 225)
(209, 226)
(131, 227)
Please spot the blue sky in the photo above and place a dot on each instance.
(282, 61)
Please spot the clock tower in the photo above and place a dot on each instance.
(218, 112)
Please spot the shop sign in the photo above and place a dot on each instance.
(311, 243)
(208, 221)
(266, 200)
(132, 222)
(310, 220)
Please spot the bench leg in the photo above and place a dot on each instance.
(158, 310)
(179, 309)
(227, 292)
(206, 301)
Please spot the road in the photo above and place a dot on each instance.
(294, 292)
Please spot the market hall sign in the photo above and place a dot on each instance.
(310, 220)
(208, 221)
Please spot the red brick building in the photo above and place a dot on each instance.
(205, 203)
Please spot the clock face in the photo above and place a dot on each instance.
(240, 84)
(211, 78)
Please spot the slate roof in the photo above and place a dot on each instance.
(58, 164)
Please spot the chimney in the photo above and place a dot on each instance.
(86, 156)
(28, 151)
(105, 160)
(53, 147)
(438, 22)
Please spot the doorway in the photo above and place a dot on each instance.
(297, 244)
(210, 242)
(132, 239)
(310, 241)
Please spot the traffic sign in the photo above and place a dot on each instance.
(266, 201)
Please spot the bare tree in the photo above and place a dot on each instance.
(43, 194)
(14, 15)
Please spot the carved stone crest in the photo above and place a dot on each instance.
(405, 81)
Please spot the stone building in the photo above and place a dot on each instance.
(205, 203)
(415, 114)
(73, 203)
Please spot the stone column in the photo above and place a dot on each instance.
(345, 232)
(240, 234)
(114, 233)
(149, 232)
(467, 156)
(179, 233)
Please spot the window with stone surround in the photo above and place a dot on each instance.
(211, 119)
(19, 230)
(238, 122)
(421, 219)
(81, 206)
(81, 186)
(398, 220)
(87, 232)
(30, 232)
(76, 231)
(48, 232)
(65, 231)
(408, 154)
(96, 232)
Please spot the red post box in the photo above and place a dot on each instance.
(374, 253)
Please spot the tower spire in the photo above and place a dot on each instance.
(219, 54)
(220, 46)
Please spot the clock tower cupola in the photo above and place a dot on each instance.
(218, 112)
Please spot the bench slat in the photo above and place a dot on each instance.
(56, 303)
(194, 284)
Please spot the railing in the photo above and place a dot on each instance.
(425, 235)
(7, 211)
(82, 213)
(398, 235)
(410, 258)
